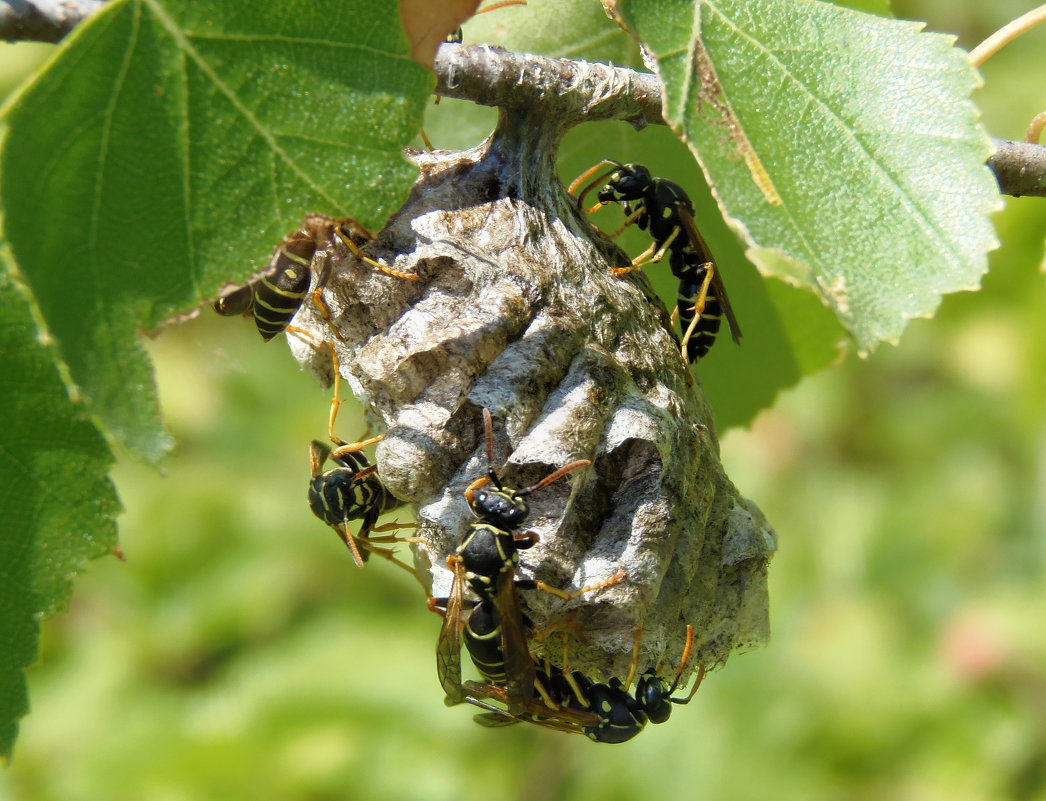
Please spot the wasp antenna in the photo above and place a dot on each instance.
(694, 689)
(574, 185)
(567, 468)
(350, 542)
(488, 433)
(475, 485)
(684, 658)
(603, 176)
(318, 453)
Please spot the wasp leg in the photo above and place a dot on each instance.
(649, 256)
(502, 4)
(358, 254)
(352, 447)
(385, 553)
(343, 446)
(568, 674)
(634, 661)
(393, 526)
(305, 336)
(618, 576)
(323, 275)
(698, 308)
(629, 220)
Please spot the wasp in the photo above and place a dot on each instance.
(275, 296)
(623, 716)
(618, 716)
(700, 329)
(663, 208)
(486, 562)
(352, 489)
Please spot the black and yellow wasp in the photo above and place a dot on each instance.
(495, 627)
(352, 490)
(275, 296)
(603, 712)
(664, 209)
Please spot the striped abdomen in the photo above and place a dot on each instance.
(482, 637)
(704, 334)
(282, 288)
(338, 496)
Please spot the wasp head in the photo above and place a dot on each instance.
(630, 182)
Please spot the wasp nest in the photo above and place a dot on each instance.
(515, 309)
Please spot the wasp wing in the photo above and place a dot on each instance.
(563, 719)
(697, 242)
(448, 646)
(519, 666)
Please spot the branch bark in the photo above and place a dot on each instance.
(1020, 168)
(43, 20)
(491, 76)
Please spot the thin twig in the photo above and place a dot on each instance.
(579, 91)
(1006, 34)
(491, 76)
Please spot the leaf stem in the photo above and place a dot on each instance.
(1006, 34)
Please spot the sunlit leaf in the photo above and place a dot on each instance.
(170, 145)
(842, 147)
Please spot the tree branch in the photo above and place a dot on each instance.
(491, 76)
(43, 20)
(583, 92)
(580, 91)
(1020, 168)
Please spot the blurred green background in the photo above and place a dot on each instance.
(238, 653)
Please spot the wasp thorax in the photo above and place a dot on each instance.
(500, 507)
(652, 694)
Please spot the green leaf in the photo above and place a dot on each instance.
(57, 505)
(880, 7)
(577, 29)
(841, 146)
(170, 145)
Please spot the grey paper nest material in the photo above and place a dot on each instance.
(515, 310)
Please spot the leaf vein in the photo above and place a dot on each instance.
(926, 223)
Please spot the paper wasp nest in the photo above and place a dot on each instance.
(515, 310)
